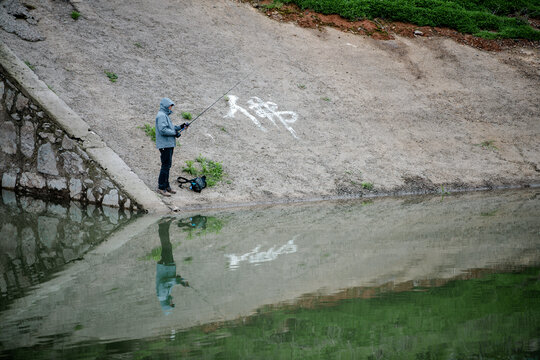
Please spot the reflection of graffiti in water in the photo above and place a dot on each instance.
(256, 257)
(265, 110)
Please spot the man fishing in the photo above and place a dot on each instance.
(166, 134)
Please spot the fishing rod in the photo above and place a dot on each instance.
(214, 103)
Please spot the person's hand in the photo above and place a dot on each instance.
(184, 126)
(177, 135)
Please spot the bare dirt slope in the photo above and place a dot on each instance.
(318, 111)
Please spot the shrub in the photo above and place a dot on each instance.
(486, 18)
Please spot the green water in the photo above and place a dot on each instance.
(411, 278)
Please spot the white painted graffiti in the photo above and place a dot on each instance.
(265, 110)
(256, 257)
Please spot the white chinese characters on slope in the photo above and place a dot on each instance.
(265, 110)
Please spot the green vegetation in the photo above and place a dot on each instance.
(75, 15)
(326, 98)
(112, 76)
(301, 86)
(188, 259)
(154, 255)
(367, 185)
(488, 144)
(187, 115)
(213, 170)
(489, 213)
(485, 18)
(149, 130)
(492, 317)
(276, 4)
(32, 67)
(138, 45)
(199, 225)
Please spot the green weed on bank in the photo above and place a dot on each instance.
(213, 170)
(484, 18)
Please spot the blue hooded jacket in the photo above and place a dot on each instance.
(165, 130)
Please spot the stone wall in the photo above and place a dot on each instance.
(39, 158)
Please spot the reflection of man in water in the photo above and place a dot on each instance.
(166, 276)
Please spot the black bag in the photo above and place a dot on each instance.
(196, 184)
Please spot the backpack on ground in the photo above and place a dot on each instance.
(196, 184)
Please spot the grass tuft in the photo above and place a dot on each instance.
(149, 130)
(367, 185)
(75, 15)
(112, 76)
(488, 144)
(213, 170)
(32, 67)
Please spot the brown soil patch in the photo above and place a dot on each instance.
(385, 30)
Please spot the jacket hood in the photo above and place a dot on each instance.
(164, 105)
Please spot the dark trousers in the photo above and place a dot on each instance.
(166, 162)
(166, 246)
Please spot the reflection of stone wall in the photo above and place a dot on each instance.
(38, 237)
(38, 157)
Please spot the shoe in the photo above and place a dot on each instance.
(169, 190)
(163, 192)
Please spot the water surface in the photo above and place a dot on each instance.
(417, 277)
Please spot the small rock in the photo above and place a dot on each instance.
(31, 180)
(57, 184)
(48, 136)
(15, 116)
(8, 138)
(418, 33)
(46, 160)
(75, 188)
(21, 103)
(9, 181)
(106, 184)
(67, 143)
(9, 99)
(90, 196)
(27, 139)
(40, 114)
(73, 164)
(111, 199)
